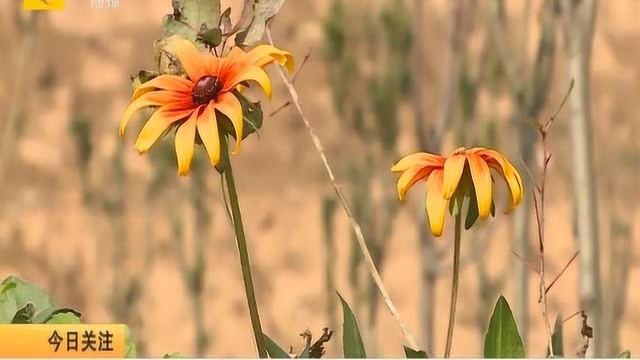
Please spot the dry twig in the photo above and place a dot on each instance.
(345, 205)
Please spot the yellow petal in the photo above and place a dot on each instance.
(481, 176)
(453, 167)
(418, 159)
(154, 98)
(157, 124)
(436, 204)
(262, 55)
(185, 142)
(191, 59)
(230, 106)
(410, 177)
(251, 73)
(508, 172)
(164, 82)
(208, 130)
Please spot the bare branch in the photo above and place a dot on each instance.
(304, 62)
(345, 205)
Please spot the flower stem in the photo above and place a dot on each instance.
(454, 285)
(244, 257)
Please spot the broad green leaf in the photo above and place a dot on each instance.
(24, 315)
(625, 355)
(193, 14)
(415, 354)
(351, 340)
(264, 10)
(556, 339)
(16, 293)
(129, 345)
(58, 316)
(69, 317)
(502, 339)
(274, 350)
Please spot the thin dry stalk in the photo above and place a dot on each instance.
(345, 205)
(538, 198)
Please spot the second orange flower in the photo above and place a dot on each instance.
(465, 173)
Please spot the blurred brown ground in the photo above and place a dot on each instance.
(89, 55)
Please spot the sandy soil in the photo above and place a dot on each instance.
(83, 60)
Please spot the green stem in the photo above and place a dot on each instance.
(244, 256)
(454, 285)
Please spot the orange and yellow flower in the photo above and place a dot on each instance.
(196, 103)
(465, 172)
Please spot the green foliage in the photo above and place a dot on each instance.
(252, 117)
(335, 31)
(129, 345)
(353, 346)
(397, 23)
(415, 354)
(556, 338)
(384, 101)
(625, 355)
(175, 355)
(263, 10)
(192, 17)
(24, 303)
(274, 350)
(80, 129)
(16, 293)
(502, 339)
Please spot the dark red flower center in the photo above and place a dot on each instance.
(207, 88)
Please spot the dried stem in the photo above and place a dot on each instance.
(575, 255)
(538, 198)
(345, 205)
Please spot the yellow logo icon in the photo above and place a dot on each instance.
(43, 4)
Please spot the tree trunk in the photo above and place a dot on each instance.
(579, 19)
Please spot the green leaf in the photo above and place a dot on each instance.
(129, 345)
(225, 22)
(274, 350)
(58, 316)
(24, 315)
(625, 355)
(252, 117)
(472, 211)
(556, 339)
(502, 339)
(351, 340)
(16, 293)
(193, 14)
(64, 318)
(142, 77)
(264, 10)
(415, 354)
(211, 38)
(175, 355)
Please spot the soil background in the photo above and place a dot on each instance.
(83, 60)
